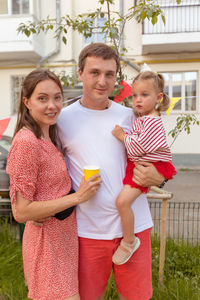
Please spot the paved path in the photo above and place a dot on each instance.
(185, 186)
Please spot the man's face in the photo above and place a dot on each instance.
(98, 77)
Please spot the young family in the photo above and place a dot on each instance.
(87, 228)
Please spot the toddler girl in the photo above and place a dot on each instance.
(146, 142)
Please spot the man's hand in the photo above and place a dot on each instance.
(146, 175)
(118, 132)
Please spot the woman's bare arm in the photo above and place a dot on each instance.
(26, 210)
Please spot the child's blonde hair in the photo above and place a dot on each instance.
(159, 83)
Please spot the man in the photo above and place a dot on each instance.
(86, 133)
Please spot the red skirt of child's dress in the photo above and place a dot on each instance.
(164, 168)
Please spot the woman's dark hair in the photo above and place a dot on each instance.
(24, 119)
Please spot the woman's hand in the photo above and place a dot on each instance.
(146, 175)
(88, 188)
(118, 132)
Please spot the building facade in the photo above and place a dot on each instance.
(172, 49)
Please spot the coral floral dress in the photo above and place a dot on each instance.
(50, 253)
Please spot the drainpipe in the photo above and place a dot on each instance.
(129, 63)
(121, 9)
(57, 49)
(134, 66)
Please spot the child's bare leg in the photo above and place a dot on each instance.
(124, 201)
(130, 243)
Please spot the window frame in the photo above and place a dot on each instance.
(96, 32)
(10, 12)
(183, 91)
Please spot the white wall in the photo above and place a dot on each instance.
(5, 99)
(133, 42)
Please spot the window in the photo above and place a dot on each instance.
(3, 7)
(182, 85)
(97, 35)
(13, 7)
(20, 6)
(16, 83)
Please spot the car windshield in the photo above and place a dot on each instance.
(5, 144)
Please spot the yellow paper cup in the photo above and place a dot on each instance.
(90, 171)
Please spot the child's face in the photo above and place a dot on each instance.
(145, 97)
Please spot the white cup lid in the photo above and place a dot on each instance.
(91, 167)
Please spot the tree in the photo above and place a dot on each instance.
(183, 123)
(113, 28)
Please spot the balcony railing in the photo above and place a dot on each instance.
(184, 17)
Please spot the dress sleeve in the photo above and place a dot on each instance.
(22, 167)
(151, 138)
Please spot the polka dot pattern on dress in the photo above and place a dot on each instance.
(38, 172)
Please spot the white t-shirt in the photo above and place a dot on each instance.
(87, 139)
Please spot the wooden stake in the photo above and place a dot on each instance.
(161, 194)
(162, 240)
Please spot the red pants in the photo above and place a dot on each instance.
(133, 279)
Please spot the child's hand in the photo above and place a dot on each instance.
(118, 132)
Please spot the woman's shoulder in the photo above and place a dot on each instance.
(26, 135)
(25, 138)
(25, 148)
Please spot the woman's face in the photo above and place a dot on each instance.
(45, 103)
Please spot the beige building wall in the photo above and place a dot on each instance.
(65, 59)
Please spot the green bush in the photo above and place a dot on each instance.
(181, 274)
(12, 284)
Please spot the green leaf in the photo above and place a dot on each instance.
(163, 19)
(64, 40)
(33, 30)
(27, 32)
(154, 20)
(143, 15)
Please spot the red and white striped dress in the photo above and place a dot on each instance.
(147, 142)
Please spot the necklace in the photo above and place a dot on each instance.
(47, 139)
(106, 107)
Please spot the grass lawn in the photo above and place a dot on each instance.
(181, 279)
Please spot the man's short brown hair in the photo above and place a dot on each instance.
(99, 50)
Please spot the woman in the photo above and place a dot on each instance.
(39, 188)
